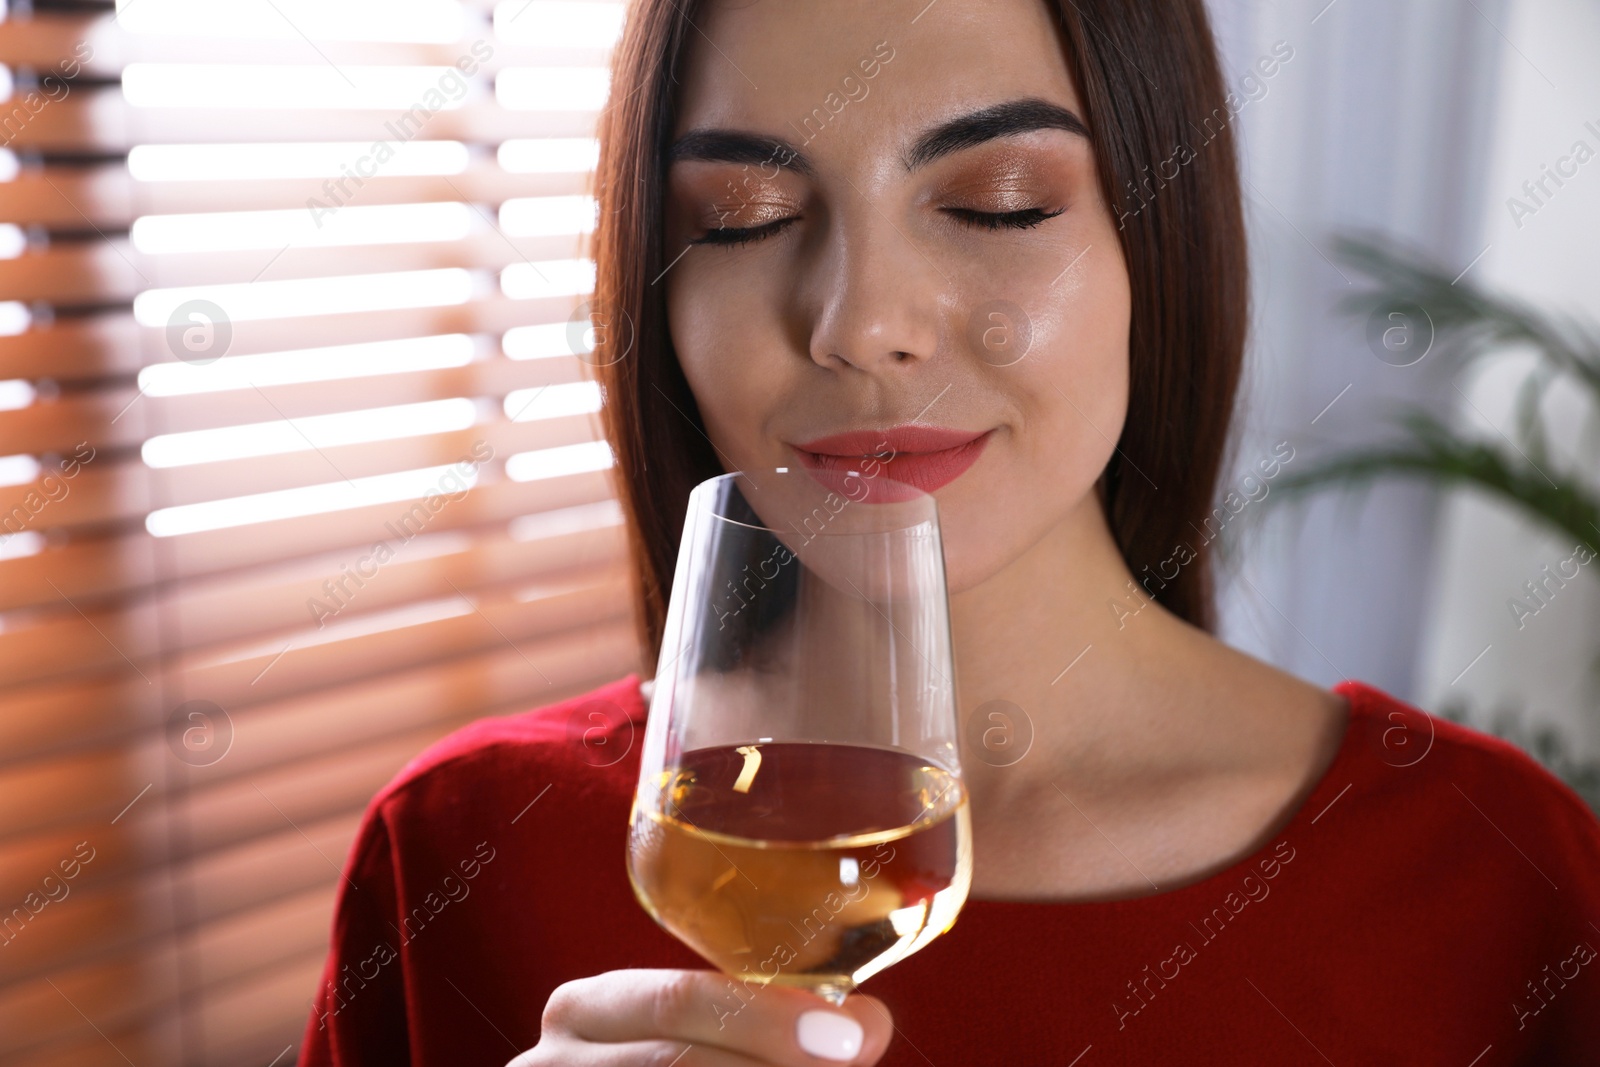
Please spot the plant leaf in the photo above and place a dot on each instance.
(1432, 450)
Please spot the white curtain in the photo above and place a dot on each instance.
(1378, 119)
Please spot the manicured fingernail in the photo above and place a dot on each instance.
(829, 1034)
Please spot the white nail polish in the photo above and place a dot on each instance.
(829, 1034)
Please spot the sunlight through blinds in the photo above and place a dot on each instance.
(300, 469)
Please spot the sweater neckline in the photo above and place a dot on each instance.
(1335, 778)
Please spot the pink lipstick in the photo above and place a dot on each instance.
(924, 457)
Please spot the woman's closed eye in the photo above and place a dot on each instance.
(730, 235)
(1026, 218)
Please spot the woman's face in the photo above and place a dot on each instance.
(882, 214)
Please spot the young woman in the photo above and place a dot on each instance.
(812, 217)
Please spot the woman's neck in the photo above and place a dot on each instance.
(1096, 667)
(1158, 754)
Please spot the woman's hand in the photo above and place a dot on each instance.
(657, 1018)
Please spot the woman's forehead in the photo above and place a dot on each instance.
(885, 67)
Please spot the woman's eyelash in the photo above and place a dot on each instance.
(1027, 218)
(728, 235)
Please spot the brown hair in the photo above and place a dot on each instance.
(1148, 78)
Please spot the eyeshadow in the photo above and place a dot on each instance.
(1003, 180)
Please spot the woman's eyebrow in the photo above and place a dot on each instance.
(737, 146)
(986, 124)
(964, 131)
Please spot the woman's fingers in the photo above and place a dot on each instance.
(576, 1053)
(773, 1024)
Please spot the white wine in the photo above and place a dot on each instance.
(805, 864)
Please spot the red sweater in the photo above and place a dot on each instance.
(1434, 901)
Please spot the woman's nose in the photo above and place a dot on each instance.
(874, 296)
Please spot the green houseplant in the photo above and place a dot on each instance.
(1463, 323)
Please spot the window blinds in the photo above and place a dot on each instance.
(300, 469)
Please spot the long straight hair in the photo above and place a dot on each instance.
(1159, 116)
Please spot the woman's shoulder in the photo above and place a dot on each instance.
(1425, 777)
(1401, 736)
(579, 744)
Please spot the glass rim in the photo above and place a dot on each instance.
(923, 498)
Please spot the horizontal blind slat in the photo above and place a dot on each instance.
(141, 986)
(101, 120)
(261, 870)
(114, 919)
(136, 636)
(201, 931)
(552, 641)
(214, 817)
(43, 42)
(90, 570)
(112, 271)
(119, 708)
(112, 343)
(117, 992)
(111, 198)
(113, 417)
(135, 558)
(115, 491)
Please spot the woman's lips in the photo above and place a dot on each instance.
(922, 457)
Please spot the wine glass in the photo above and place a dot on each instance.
(800, 817)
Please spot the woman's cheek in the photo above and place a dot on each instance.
(722, 360)
(1076, 393)
(1088, 346)
(1072, 387)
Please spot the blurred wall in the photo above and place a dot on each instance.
(1550, 90)
(1381, 120)
(1420, 120)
